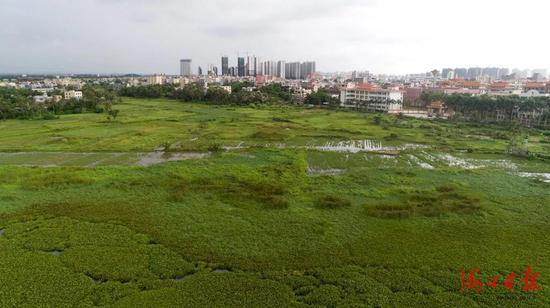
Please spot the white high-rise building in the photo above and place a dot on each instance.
(252, 63)
(270, 68)
(260, 68)
(185, 67)
(281, 69)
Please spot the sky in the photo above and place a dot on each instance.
(382, 36)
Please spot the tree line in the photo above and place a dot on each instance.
(19, 103)
(242, 94)
(495, 108)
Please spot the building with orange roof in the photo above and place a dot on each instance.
(365, 86)
(499, 86)
(538, 86)
(437, 108)
(471, 84)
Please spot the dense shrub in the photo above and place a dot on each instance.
(444, 200)
(332, 202)
(326, 295)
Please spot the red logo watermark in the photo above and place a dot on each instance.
(529, 281)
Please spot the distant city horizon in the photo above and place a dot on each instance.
(225, 62)
(525, 71)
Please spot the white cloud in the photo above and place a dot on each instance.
(392, 36)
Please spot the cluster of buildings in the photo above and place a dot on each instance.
(67, 95)
(522, 88)
(402, 94)
(358, 89)
(492, 74)
(43, 85)
(49, 89)
(252, 66)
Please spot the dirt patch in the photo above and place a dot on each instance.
(155, 158)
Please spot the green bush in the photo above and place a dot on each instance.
(215, 148)
(326, 295)
(282, 120)
(444, 200)
(332, 202)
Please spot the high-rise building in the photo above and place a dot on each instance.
(281, 72)
(252, 65)
(269, 68)
(200, 71)
(307, 69)
(185, 67)
(491, 72)
(474, 73)
(293, 70)
(241, 67)
(259, 68)
(445, 73)
(503, 73)
(360, 76)
(212, 70)
(461, 73)
(225, 66)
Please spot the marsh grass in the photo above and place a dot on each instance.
(270, 134)
(443, 200)
(56, 180)
(332, 202)
(242, 192)
(153, 236)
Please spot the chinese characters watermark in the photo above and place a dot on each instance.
(529, 281)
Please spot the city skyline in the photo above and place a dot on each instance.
(252, 65)
(380, 36)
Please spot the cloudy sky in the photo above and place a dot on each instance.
(383, 36)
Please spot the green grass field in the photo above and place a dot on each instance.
(273, 220)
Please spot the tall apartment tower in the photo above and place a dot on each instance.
(252, 63)
(185, 67)
(293, 70)
(269, 68)
(461, 73)
(225, 66)
(307, 69)
(281, 72)
(446, 73)
(241, 68)
(474, 73)
(259, 68)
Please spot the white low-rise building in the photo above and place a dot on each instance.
(372, 99)
(155, 80)
(534, 93)
(507, 92)
(40, 99)
(73, 95)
